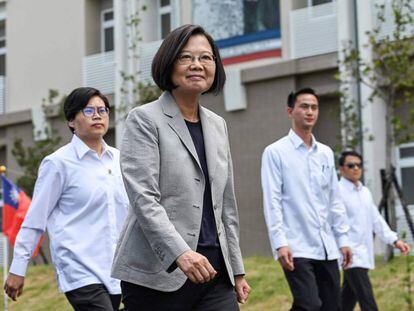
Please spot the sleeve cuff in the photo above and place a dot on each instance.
(278, 243)
(168, 260)
(343, 241)
(392, 239)
(19, 266)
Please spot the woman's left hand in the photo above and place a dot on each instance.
(242, 289)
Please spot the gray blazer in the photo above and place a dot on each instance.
(165, 186)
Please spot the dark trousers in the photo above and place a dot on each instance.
(315, 285)
(357, 288)
(93, 297)
(218, 294)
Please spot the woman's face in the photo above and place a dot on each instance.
(193, 70)
(94, 127)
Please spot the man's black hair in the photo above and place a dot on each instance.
(345, 154)
(291, 100)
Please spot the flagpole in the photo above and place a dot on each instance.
(5, 253)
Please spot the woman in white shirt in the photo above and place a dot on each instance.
(80, 198)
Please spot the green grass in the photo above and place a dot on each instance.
(271, 292)
(39, 293)
(269, 288)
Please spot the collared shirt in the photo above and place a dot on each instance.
(365, 220)
(80, 198)
(302, 204)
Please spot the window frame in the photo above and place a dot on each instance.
(106, 25)
(310, 3)
(164, 10)
(407, 162)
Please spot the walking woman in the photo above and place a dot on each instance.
(180, 246)
(80, 198)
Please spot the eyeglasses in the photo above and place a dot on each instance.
(89, 112)
(354, 165)
(206, 58)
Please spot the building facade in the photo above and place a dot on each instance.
(269, 48)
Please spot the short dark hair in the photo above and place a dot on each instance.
(345, 154)
(291, 100)
(164, 60)
(78, 99)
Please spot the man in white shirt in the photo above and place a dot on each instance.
(80, 198)
(364, 219)
(304, 214)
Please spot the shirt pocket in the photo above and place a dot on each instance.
(323, 176)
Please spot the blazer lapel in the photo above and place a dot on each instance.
(177, 123)
(209, 133)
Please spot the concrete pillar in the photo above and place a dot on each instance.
(186, 12)
(121, 52)
(373, 113)
(347, 27)
(285, 8)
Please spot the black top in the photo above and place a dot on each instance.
(208, 232)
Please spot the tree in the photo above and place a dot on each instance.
(390, 76)
(134, 92)
(29, 158)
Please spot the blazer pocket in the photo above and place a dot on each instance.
(138, 252)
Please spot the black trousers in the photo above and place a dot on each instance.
(93, 297)
(218, 294)
(357, 287)
(315, 285)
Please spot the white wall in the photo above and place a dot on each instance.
(45, 47)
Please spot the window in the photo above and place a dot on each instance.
(165, 18)
(406, 171)
(2, 47)
(317, 2)
(107, 30)
(227, 19)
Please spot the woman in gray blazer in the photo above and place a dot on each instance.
(179, 249)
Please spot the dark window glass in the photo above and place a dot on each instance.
(2, 43)
(228, 19)
(110, 137)
(108, 16)
(407, 152)
(407, 176)
(165, 2)
(109, 39)
(2, 65)
(261, 15)
(165, 25)
(317, 2)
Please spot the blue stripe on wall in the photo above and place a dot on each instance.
(251, 37)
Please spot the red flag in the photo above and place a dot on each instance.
(16, 204)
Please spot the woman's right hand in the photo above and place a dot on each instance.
(14, 286)
(196, 267)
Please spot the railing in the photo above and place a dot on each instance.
(387, 26)
(99, 72)
(314, 30)
(146, 55)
